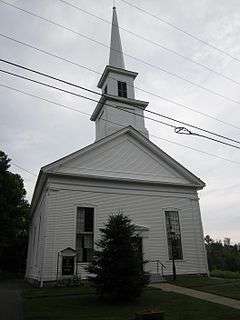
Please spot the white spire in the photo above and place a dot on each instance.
(116, 55)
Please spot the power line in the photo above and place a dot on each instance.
(154, 136)
(182, 130)
(193, 126)
(99, 94)
(172, 74)
(140, 89)
(48, 76)
(82, 96)
(26, 170)
(44, 99)
(194, 149)
(182, 30)
(112, 106)
(153, 43)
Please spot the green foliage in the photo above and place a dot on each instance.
(222, 257)
(14, 215)
(118, 265)
(225, 274)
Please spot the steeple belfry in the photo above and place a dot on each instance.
(116, 56)
(117, 106)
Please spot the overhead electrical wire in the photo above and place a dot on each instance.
(110, 105)
(20, 167)
(81, 96)
(130, 84)
(155, 43)
(172, 74)
(88, 114)
(152, 42)
(187, 33)
(99, 94)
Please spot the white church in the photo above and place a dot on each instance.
(122, 171)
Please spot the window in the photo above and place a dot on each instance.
(105, 90)
(84, 234)
(122, 89)
(173, 235)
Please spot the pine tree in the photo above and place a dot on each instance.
(117, 266)
(14, 219)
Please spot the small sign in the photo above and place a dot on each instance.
(67, 266)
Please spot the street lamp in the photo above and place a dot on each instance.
(173, 239)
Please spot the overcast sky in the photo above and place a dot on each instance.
(35, 133)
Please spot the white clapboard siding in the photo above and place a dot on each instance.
(36, 243)
(123, 158)
(143, 205)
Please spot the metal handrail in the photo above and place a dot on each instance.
(158, 262)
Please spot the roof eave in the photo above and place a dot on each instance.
(42, 177)
(199, 184)
(116, 70)
(138, 103)
(109, 178)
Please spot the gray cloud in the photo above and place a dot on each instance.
(35, 133)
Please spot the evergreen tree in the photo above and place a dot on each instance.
(14, 215)
(117, 266)
(222, 257)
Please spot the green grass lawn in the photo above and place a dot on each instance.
(224, 287)
(225, 274)
(81, 303)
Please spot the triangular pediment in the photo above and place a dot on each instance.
(129, 156)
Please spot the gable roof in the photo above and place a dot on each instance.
(149, 149)
(52, 167)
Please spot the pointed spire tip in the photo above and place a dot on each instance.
(116, 55)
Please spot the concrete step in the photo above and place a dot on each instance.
(156, 277)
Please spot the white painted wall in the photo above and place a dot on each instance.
(123, 157)
(144, 204)
(111, 119)
(112, 85)
(37, 237)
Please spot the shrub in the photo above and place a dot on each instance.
(117, 267)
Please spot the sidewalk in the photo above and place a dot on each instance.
(199, 295)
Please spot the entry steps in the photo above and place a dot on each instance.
(156, 277)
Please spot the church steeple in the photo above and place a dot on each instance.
(116, 56)
(117, 107)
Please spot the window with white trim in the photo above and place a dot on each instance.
(173, 235)
(84, 234)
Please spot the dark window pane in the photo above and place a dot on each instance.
(105, 90)
(173, 235)
(88, 223)
(84, 234)
(79, 247)
(122, 89)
